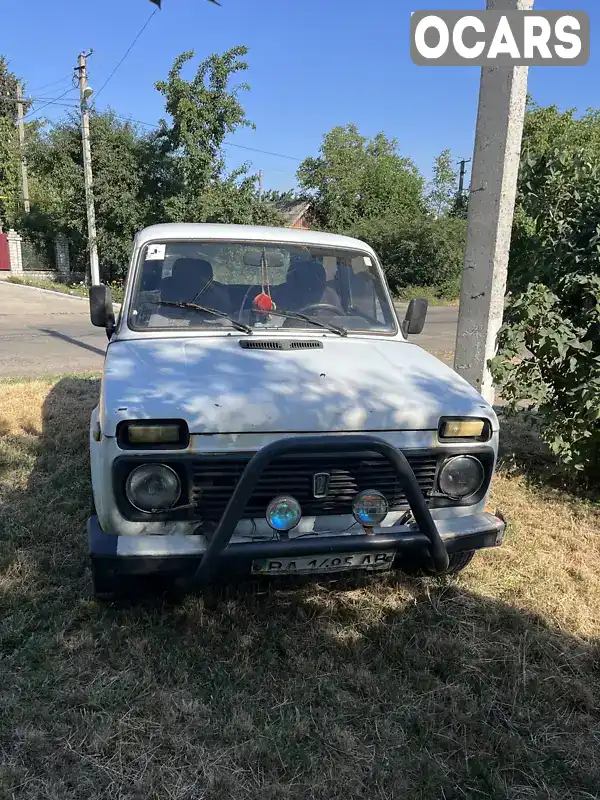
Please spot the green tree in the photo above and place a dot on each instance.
(549, 137)
(442, 190)
(549, 346)
(418, 251)
(10, 178)
(356, 178)
(58, 193)
(191, 165)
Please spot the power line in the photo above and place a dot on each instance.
(265, 152)
(142, 29)
(34, 99)
(37, 110)
(53, 83)
(227, 144)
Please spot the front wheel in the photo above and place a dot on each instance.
(458, 562)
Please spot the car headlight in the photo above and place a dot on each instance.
(153, 487)
(461, 476)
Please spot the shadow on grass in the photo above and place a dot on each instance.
(371, 688)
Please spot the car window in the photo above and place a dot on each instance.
(342, 286)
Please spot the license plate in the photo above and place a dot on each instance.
(340, 562)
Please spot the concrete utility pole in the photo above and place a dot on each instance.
(21, 129)
(260, 184)
(499, 132)
(84, 93)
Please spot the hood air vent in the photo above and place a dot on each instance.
(280, 344)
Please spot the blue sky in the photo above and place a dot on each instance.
(313, 64)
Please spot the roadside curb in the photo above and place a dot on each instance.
(116, 306)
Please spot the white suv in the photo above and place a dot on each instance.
(263, 412)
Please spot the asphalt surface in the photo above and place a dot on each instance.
(49, 334)
(46, 334)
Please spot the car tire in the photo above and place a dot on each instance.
(458, 562)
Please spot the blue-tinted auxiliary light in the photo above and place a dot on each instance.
(370, 507)
(283, 513)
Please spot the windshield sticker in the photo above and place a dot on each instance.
(156, 252)
(368, 261)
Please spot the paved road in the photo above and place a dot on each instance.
(44, 334)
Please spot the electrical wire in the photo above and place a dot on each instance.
(37, 110)
(53, 83)
(226, 144)
(142, 29)
(34, 100)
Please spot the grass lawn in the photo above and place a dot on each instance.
(430, 293)
(483, 687)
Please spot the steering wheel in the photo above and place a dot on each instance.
(243, 305)
(323, 307)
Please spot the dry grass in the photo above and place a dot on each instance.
(485, 687)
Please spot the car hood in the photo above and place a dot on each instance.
(217, 386)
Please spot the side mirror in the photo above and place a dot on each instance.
(414, 321)
(101, 308)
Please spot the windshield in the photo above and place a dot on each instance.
(180, 284)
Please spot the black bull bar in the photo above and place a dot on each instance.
(219, 550)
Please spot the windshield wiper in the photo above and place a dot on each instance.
(313, 321)
(239, 325)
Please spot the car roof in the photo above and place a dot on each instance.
(246, 233)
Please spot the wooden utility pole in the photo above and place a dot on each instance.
(498, 136)
(84, 94)
(21, 129)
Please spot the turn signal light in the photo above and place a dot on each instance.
(477, 429)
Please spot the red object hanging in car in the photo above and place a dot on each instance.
(263, 302)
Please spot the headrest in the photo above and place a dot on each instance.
(196, 271)
(307, 272)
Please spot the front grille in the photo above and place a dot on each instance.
(214, 478)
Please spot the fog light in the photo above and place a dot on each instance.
(464, 428)
(461, 476)
(140, 433)
(283, 513)
(370, 507)
(153, 487)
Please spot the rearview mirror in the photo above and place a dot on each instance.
(254, 258)
(414, 321)
(101, 308)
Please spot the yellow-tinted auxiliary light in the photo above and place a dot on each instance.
(477, 429)
(139, 433)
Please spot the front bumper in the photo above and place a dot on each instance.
(179, 555)
(218, 555)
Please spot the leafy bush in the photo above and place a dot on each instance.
(424, 250)
(549, 346)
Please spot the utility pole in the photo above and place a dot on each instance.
(21, 129)
(463, 171)
(498, 136)
(260, 184)
(84, 93)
